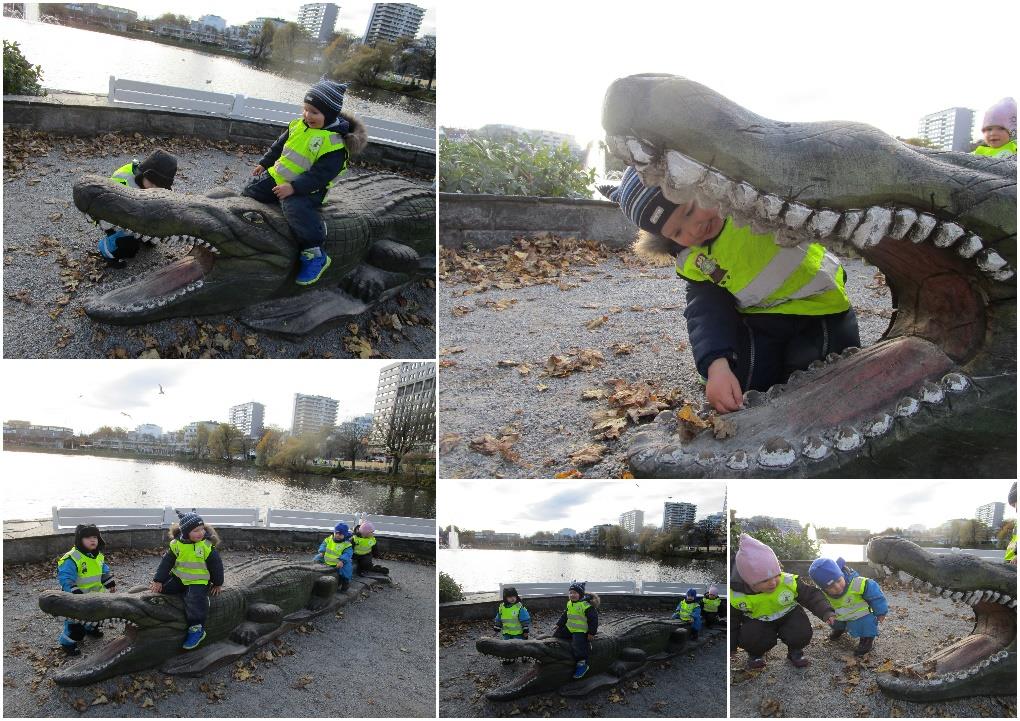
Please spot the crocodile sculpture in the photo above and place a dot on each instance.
(937, 394)
(260, 600)
(981, 664)
(622, 647)
(380, 234)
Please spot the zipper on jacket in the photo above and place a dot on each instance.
(825, 339)
(750, 365)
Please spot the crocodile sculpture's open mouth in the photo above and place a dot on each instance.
(553, 665)
(941, 227)
(982, 663)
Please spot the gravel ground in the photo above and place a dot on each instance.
(644, 308)
(690, 685)
(832, 686)
(392, 632)
(44, 234)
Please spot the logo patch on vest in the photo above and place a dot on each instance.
(314, 144)
(786, 598)
(742, 605)
(709, 267)
(199, 551)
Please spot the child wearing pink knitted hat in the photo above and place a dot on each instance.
(999, 129)
(364, 541)
(768, 605)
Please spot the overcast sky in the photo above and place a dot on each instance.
(528, 506)
(353, 15)
(87, 394)
(875, 505)
(547, 64)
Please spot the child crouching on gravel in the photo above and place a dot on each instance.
(336, 551)
(192, 568)
(158, 170)
(858, 602)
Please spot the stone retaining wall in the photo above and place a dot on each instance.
(477, 610)
(50, 547)
(487, 221)
(94, 119)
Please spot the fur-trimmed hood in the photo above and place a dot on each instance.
(655, 248)
(210, 533)
(357, 138)
(593, 599)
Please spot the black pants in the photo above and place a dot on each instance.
(196, 599)
(365, 563)
(579, 642)
(757, 637)
(711, 618)
(775, 345)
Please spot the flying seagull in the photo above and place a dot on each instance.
(161, 390)
(126, 414)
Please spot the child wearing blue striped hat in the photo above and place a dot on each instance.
(299, 168)
(755, 312)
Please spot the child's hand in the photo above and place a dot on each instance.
(156, 587)
(723, 388)
(215, 590)
(283, 191)
(257, 170)
(830, 620)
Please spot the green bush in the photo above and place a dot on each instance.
(512, 167)
(20, 77)
(788, 546)
(449, 590)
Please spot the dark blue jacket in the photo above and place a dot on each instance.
(323, 170)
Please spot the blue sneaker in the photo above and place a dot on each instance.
(580, 669)
(108, 244)
(196, 634)
(312, 267)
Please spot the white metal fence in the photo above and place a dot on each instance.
(604, 588)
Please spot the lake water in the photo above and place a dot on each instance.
(477, 569)
(35, 482)
(83, 61)
(849, 551)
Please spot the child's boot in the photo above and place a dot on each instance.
(797, 658)
(580, 669)
(755, 662)
(864, 646)
(314, 262)
(196, 634)
(836, 633)
(71, 650)
(344, 584)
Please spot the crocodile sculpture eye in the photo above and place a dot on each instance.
(252, 217)
(157, 600)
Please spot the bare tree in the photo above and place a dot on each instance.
(410, 427)
(350, 443)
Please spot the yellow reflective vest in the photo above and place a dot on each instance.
(303, 147)
(125, 175)
(1005, 149)
(90, 570)
(509, 619)
(685, 611)
(851, 605)
(334, 549)
(711, 604)
(768, 606)
(577, 622)
(362, 545)
(191, 566)
(765, 278)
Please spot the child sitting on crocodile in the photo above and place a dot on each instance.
(578, 624)
(336, 551)
(766, 606)
(364, 541)
(999, 129)
(512, 620)
(299, 168)
(689, 612)
(188, 568)
(859, 602)
(83, 569)
(755, 312)
(710, 603)
(158, 170)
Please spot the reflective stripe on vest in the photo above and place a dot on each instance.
(762, 277)
(711, 604)
(1007, 149)
(334, 549)
(1011, 549)
(509, 618)
(191, 565)
(768, 606)
(851, 605)
(303, 147)
(685, 610)
(577, 622)
(125, 174)
(90, 570)
(362, 546)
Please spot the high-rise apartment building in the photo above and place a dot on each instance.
(319, 19)
(991, 514)
(390, 21)
(633, 521)
(249, 418)
(677, 513)
(949, 129)
(312, 414)
(405, 390)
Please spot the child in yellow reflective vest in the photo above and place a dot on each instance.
(300, 166)
(512, 619)
(858, 602)
(578, 624)
(158, 170)
(193, 568)
(364, 541)
(83, 569)
(767, 605)
(999, 129)
(689, 611)
(337, 551)
(710, 603)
